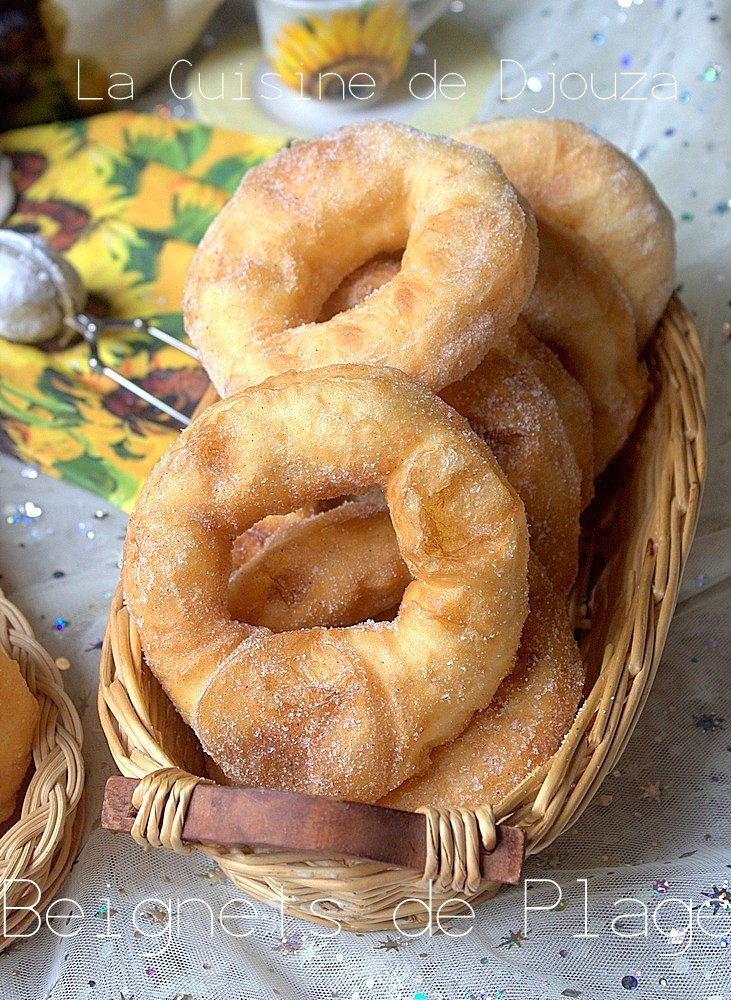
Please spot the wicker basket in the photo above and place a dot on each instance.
(636, 540)
(38, 849)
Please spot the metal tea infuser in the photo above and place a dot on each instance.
(42, 298)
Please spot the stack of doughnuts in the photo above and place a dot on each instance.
(351, 574)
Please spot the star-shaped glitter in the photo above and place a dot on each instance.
(390, 944)
(709, 723)
(289, 944)
(719, 898)
(514, 938)
(652, 790)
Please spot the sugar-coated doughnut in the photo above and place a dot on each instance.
(579, 309)
(570, 396)
(315, 212)
(573, 177)
(18, 721)
(312, 710)
(521, 728)
(330, 566)
(515, 414)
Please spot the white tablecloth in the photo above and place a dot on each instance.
(657, 836)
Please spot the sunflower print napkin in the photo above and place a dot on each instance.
(126, 197)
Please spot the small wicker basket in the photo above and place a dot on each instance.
(38, 849)
(636, 540)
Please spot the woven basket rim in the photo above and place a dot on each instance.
(42, 844)
(553, 797)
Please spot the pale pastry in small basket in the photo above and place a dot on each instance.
(18, 721)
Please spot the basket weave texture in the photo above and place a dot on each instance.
(38, 849)
(635, 542)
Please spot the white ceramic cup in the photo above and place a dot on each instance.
(342, 49)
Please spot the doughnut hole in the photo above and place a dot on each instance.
(333, 568)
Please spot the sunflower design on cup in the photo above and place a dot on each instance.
(334, 50)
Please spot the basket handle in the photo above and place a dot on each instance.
(449, 844)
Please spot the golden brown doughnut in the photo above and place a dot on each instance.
(521, 728)
(573, 177)
(312, 710)
(570, 396)
(509, 407)
(18, 721)
(579, 309)
(533, 707)
(309, 216)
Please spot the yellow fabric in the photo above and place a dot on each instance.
(126, 198)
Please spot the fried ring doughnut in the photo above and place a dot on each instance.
(578, 308)
(570, 396)
(524, 724)
(533, 707)
(313, 213)
(312, 710)
(573, 177)
(17, 725)
(509, 407)
(329, 567)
